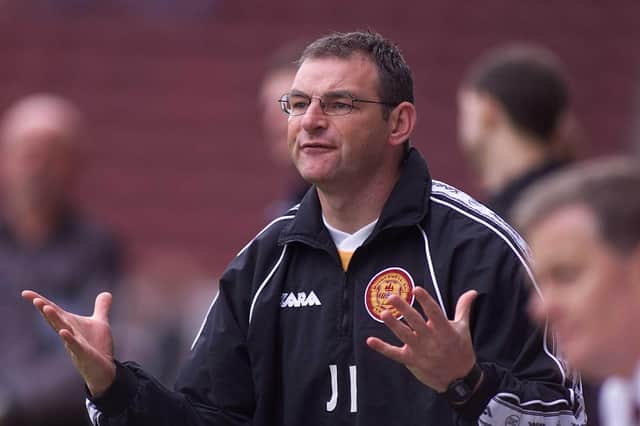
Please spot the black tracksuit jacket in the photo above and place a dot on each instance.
(283, 343)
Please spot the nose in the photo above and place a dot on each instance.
(314, 118)
(537, 307)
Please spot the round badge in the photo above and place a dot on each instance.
(384, 284)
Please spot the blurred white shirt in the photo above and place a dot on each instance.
(620, 401)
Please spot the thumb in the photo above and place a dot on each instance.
(102, 306)
(463, 307)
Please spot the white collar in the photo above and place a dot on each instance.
(349, 242)
(617, 397)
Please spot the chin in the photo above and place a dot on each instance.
(314, 179)
(313, 175)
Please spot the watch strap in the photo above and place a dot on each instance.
(461, 390)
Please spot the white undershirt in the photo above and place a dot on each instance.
(349, 242)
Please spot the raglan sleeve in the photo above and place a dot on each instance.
(525, 381)
(214, 387)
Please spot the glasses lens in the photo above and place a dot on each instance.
(337, 105)
(295, 104)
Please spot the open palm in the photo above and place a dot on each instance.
(88, 339)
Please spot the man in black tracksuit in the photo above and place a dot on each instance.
(316, 316)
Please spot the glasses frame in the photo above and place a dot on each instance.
(323, 105)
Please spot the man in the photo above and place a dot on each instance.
(584, 229)
(306, 309)
(516, 127)
(277, 80)
(515, 123)
(47, 244)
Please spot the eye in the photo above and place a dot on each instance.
(566, 274)
(338, 107)
(298, 104)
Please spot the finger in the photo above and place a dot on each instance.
(72, 344)
(33, 296)
(463, 307)
(432, 310)
(102, 306)
(30, 295)
(40, 304)
(402, 332)
(55, 319)
(410, 315)
(392, 352)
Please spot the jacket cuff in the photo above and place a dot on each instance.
(119, 395)
(472, 408)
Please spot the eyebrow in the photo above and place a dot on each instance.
(330, 94)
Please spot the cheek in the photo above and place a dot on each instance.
(292, 131)
(360, 140)
(591, 309)
(611, 302)
(583, 301)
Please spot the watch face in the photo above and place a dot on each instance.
(461, 389)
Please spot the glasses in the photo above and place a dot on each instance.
(339, 104)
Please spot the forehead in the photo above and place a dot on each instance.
(356, 74)
(41, 138)
(568, 227)
(470, 100)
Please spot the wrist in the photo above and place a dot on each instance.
(460, 390)
(98, 386)
(122, 391)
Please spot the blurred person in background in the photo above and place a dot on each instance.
(157, 337)
(277, 80)
(515, 126)
(584, 228)
(515, 123)
(46, 242)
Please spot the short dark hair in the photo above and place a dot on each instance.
(396, 82)
(529, 83)
(608, 188)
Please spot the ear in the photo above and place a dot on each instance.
(402, 121)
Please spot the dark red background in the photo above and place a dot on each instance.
(176, 157)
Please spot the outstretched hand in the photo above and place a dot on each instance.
(88, 340)
(437, 351)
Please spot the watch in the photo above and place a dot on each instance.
(460, 390)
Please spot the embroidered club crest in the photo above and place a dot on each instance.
(384, 284)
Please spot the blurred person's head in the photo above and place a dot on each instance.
(39, 139)
(277, 81)
(584, 229)
(514, 103)
(356, 134)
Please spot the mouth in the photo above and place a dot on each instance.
(316, 146)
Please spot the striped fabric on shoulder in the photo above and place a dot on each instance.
(290, 214)
(446, 194)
